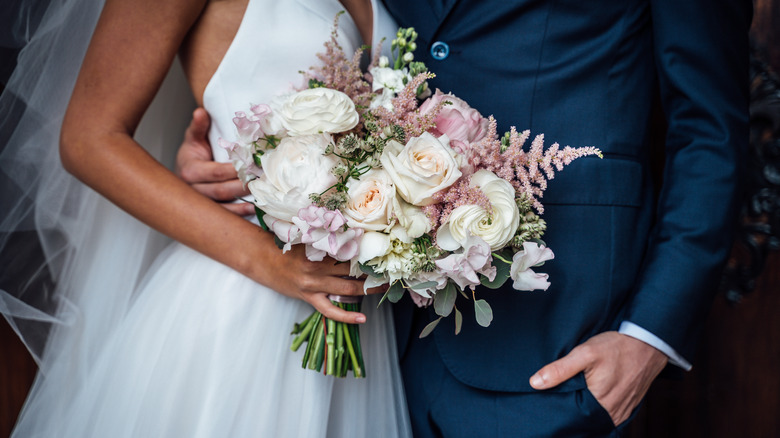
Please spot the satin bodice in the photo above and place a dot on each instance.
(274, 43)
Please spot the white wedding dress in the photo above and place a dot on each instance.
(204, 351)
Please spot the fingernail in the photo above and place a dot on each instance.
(537, 381)
(360, 319)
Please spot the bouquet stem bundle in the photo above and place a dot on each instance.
(334, 345)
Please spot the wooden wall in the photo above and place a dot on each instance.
(734, 387)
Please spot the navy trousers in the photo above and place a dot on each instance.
(442, 406)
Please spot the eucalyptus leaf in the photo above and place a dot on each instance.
(444, 300)
(502, 275)
(425, 285)
(368, 270)
(458, 321)
(429, 328)
(483, 312)
(396, 292)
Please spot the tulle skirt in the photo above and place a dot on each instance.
(204, 352)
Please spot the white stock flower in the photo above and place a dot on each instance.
(423, 167)
(370, 204)
(385, 78)
(384, 100)
(397, 261)
(496, 228)
(386, 83)
(292, 171)
(317, 110)
(531, 255)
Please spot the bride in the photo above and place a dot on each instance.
(196, 342)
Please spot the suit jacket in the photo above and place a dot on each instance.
(584, 73)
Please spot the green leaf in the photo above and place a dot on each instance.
(444, 300)
(260, 213)
(429, 328)
(395, 293)
(278, 242)
(368, 270)
(483, 312)
(425, 285)
(502, 274)
(458, 321)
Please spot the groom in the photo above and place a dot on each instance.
(635, 267)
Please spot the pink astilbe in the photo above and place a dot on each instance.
(527, 171)
(340, 73)
(405, 110)
(447, 200)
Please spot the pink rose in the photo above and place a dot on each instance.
(461, 123)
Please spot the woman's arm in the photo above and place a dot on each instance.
(133, 46)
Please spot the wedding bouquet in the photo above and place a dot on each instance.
(413, 189)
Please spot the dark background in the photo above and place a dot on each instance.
(734, 387)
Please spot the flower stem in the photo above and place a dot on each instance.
(355, 364)
(330, 338)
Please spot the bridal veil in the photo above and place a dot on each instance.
(68, 257)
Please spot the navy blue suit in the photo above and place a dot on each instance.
(584, 73)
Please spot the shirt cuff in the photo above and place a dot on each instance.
(628, 328)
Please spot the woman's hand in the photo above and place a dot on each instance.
(132, 48)
(296, 276)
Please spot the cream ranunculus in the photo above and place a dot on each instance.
(291, 172)
(496, 229)
(423, 167)
(370, 204)
(317, 110)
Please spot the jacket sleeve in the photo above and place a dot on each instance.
(701, 55)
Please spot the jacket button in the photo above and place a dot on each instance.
(440, 50)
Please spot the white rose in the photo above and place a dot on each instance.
(370, 204)
(317, 110)
(423, 167)
(496, 229)
(412, 222)
(292, 171)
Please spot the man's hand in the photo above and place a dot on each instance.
(618, 371)
(195, 165)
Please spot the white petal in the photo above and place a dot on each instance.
(373, 244)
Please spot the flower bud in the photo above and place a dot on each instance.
(384, 62)
(412, 46)
(402, 42)
(408, 57)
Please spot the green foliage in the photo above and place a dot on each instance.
(458, 321)
(429, 328)
(444, 300)
(260, 214)
(483, 312)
